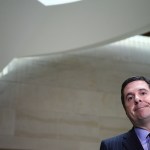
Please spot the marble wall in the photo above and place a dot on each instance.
(69, 100)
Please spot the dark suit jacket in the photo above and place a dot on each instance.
(126, 141)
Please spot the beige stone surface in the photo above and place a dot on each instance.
(67, 101)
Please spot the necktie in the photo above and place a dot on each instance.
(148, 141)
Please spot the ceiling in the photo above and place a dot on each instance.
(28, 28)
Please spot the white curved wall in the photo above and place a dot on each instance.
(28, 28)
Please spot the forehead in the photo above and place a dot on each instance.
(135, 86)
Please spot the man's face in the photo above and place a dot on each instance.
(137, 102)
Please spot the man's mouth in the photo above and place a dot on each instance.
(139, 108)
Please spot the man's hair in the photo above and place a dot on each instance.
(129, 80)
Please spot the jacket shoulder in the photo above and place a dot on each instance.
(115, 138)
(113, 143)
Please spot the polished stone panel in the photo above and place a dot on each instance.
(67, 101)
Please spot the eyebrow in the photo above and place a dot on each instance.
(142, 89)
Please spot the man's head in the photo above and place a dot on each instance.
(135, 96)
(129, 80)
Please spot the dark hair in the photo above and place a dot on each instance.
(129, 80)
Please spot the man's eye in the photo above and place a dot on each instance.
(130, 98)
(143, 93)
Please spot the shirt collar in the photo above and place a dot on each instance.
(141, 133)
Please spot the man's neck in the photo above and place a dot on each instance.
(143, 125)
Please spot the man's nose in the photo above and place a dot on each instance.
(137, 98)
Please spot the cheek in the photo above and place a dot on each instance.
(147, 99)
(129, 107)
(129, 112)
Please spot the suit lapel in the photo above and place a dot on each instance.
(131, 141)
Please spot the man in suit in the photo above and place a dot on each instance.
(135, 97)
